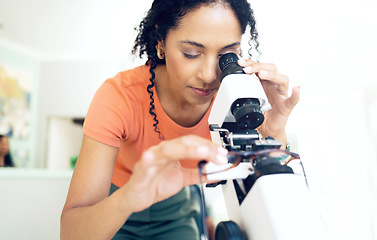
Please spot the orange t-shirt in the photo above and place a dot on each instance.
(119, 116)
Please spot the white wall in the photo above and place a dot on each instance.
(328, 49)
(66, 88)
(64, 142)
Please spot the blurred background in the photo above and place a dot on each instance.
(54, 54)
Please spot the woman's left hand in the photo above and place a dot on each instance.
(276, 87)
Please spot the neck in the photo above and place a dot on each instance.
(165, 90)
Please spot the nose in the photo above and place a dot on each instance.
(209, 70)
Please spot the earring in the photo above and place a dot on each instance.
(160, 54)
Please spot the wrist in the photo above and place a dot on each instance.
(122, 200)
(283, 140)
(280, 136)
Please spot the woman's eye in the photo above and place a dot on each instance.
(189, 56)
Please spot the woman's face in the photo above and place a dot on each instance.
(193, 49)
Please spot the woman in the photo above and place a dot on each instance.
(147, 127)
(5, 157)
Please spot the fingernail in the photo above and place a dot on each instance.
(222, 151)
(221, 159)
(148, 155)
(203, 151)
(263, 72)
(248, 69)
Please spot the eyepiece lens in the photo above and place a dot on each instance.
(227, 59)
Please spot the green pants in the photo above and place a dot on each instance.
(173, 218)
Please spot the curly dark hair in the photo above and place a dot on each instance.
(165, 15)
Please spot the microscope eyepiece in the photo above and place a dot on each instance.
(228, 65)
(226, 59)
(247, 111)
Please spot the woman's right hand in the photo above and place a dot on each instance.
(158, 175)
(90, 213)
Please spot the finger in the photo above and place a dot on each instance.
(255, 67)
(281, 80)
(207, 149)
(245, 62)
(144, 172)
(192, 176)
(190, 147)
(268, 71)
(278, 85)
(295, 97)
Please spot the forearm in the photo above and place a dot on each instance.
(99, 221)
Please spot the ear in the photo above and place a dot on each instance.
(160, 42)
(160, 45)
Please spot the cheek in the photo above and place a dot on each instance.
(180, 68)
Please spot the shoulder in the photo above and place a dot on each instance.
(117, 106)
(138, 76)
(129, 84)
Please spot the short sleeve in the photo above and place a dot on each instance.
(106, 117)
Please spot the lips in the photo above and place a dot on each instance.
(202, 92)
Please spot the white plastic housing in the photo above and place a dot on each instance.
(233, 87)
(278, 207)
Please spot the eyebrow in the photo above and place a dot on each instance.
(193, 43)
